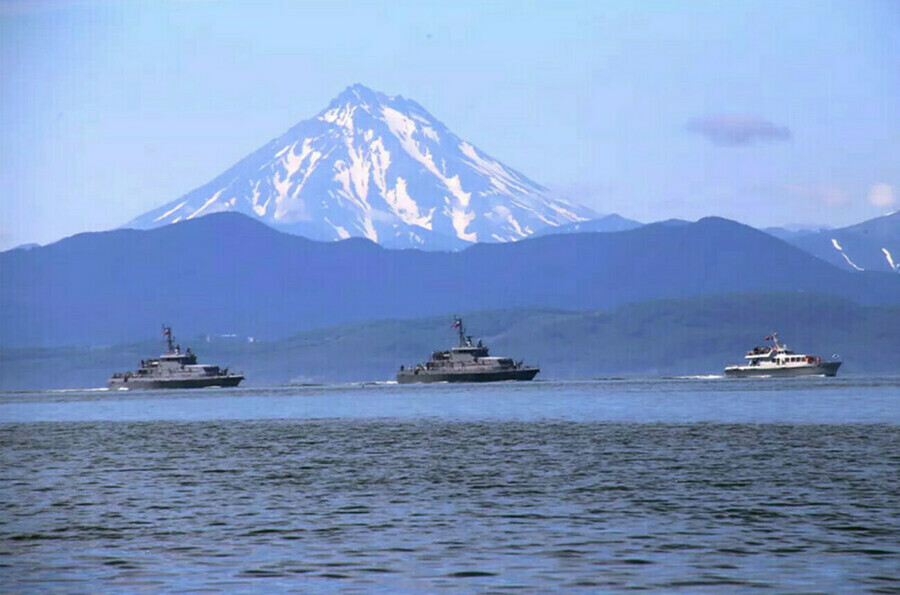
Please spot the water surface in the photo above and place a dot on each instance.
(663, 484)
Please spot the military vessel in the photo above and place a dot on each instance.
(466, 362)
(174, 369)
(778, 361)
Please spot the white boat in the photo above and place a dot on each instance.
(778, 361)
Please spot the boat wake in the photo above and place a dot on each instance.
(701, 377)
(79, 390)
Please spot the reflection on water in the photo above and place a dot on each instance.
(540, 493)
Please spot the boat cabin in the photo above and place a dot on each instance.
(468, 352)
(778, 355)
(180, 359)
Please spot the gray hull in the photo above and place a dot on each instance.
(134, 383)
(410, 376)
(821, 369)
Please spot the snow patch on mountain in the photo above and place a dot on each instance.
(380, 167)
(838, 247)
(170, 211)
(211, 200)
(890, 259)
(405, 207)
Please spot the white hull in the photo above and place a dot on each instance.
(766, 371)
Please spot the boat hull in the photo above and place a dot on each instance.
(136, 383)
(819, 369)
(416, 376)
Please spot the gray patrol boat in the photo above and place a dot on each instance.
(174, 369)
(466, 363)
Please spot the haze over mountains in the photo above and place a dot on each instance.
(378, 167)
(226, 273)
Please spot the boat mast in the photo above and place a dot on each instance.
(458, 324)
(167, 333)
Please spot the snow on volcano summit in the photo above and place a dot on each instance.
(378, 167)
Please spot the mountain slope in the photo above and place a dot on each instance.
(872, 245)
(377, 167)
(226, 273)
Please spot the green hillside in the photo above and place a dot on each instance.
(669, 337)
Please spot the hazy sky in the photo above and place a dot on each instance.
(770, 113)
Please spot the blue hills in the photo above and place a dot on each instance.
(227, 273)
(689, 336)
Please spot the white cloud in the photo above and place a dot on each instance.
(881, 196)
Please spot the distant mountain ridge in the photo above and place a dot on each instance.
(226, 273)
(872, 245)
(603, 224)
(378, 167)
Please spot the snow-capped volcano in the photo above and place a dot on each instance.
(378, 167)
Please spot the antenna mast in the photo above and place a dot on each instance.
(167, 333)
(458, 323)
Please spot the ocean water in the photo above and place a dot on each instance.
(678, 484)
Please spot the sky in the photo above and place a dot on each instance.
(769, 113)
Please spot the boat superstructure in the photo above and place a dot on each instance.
(174, 369)
(779, 361)
(467, 362)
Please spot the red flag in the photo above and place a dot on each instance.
(456, 324)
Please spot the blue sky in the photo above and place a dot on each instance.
(769, 113)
